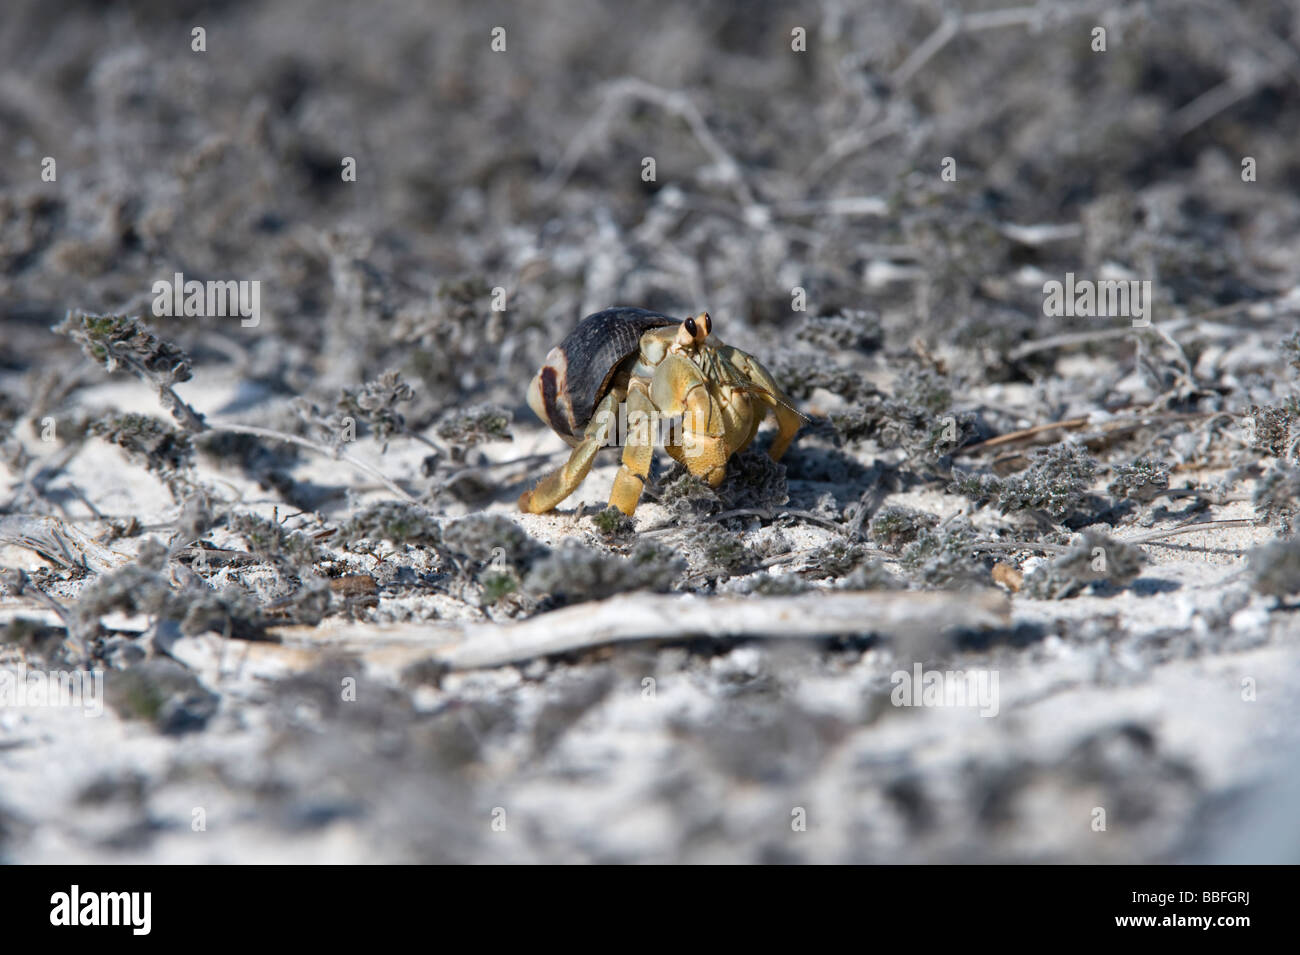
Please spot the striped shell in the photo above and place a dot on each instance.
(577, 372)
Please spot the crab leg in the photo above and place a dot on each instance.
(559, 484)
(638, 450)
(788, 419)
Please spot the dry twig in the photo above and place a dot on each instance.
(671, 617)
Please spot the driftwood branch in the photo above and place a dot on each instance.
(59, 542)
(668, 617)
(1103, 428)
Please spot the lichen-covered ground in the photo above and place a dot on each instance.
(868, 197)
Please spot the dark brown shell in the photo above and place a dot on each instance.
(579, 370)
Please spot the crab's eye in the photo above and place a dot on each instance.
(690, 327)
(708, 324)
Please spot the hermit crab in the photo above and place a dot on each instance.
(637, 378)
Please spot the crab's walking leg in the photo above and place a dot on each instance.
(559, 484)
(788, 419)
(638, 450)
(679, 389)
